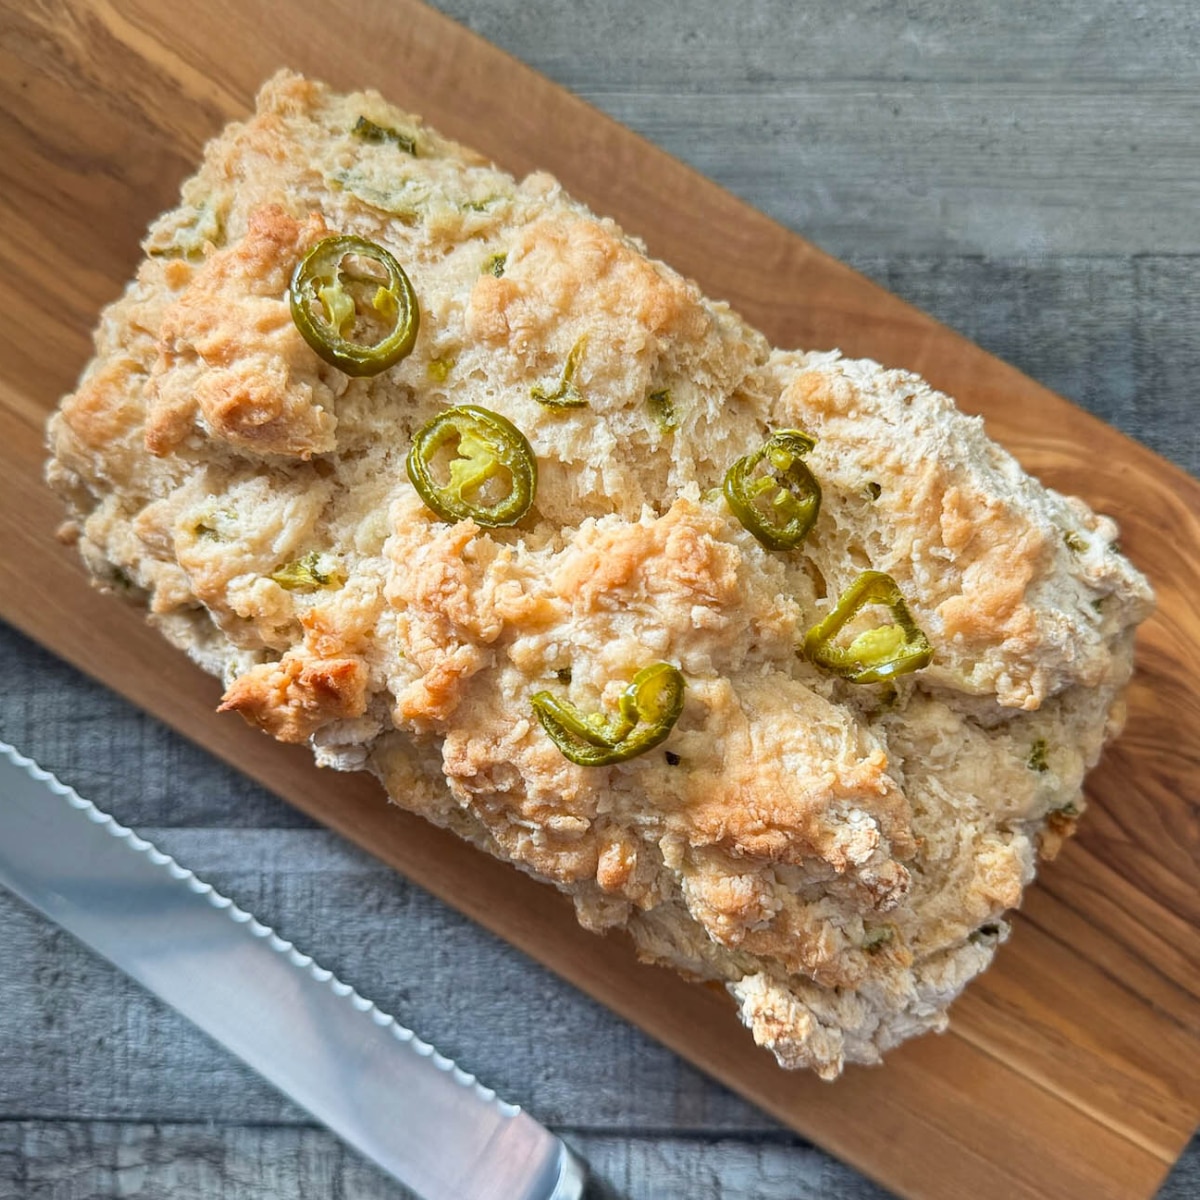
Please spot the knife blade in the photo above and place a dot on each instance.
(392, 1096)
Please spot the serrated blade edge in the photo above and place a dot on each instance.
(386, 1091)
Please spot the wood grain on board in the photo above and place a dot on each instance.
(1073, 1067)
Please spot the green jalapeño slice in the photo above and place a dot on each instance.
(472, 463)
(875, 654)
(648, 710)
(774, 495)
(354, 305)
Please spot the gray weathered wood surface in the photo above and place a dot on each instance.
(1028, 173)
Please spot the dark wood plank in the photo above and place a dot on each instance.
(931, 127)
(775, 43)
(84, 1160)
(197, 1161)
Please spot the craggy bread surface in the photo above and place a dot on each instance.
(840, 855)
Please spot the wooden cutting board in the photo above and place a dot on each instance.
(1072, 1069)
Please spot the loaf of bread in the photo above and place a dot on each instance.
(803, 730)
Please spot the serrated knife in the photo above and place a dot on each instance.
(377, 1085)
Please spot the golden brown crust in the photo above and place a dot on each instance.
(678, 559)
(562, 271)
(229, 351)
(105, 409)
(840, 856)
(293, 698)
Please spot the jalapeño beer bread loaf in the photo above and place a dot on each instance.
(770, 658)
